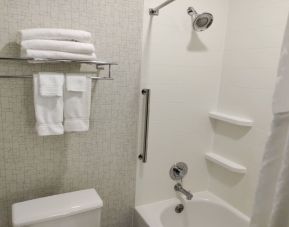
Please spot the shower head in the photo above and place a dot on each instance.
(201, 21)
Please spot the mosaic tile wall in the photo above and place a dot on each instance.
(103, 158)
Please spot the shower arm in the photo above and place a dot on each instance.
(155, 11)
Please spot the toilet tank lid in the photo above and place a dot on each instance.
(53, 207)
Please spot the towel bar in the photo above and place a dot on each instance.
(98, 64)
(30, 76)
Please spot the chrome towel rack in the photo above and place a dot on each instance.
(30, 76)
(143, 155)
(98, 64)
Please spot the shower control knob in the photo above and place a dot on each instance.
(178, 171)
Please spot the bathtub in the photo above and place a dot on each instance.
(204, 210)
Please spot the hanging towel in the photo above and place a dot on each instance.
(77, 98)
(49, 106)
(63, 46)
(47, 54)
(54, 34)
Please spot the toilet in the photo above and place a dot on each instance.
(73, 209)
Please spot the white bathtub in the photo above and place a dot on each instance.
(204, 210)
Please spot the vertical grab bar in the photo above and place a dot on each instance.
(143, 156)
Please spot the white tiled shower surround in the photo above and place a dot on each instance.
(103, 158)
(183, 70)
(252, 48)
(231, 67)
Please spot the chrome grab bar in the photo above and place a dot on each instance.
(143, 156)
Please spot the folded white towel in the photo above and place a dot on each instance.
(51, 84)
(63, 46)
(47, 54)
(54, 34)
(75, 82)
(77, 103)
(48, 109)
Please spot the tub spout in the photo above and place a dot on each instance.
(179, 188)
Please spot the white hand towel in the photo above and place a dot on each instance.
(51, 84)
(54, 34)
(63, 46)
(47, 54)
(77, 103)
(48, 110)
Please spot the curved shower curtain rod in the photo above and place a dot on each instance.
(155, 11)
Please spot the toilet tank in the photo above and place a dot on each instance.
(73, 209)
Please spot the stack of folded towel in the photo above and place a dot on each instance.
(52, 43)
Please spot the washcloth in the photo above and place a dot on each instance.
(77, 100)
(50, 84)
(54, 34)
(55, 45)
(75, 82)
(47, 54)
(48, 109)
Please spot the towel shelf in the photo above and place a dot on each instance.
(30, 76)
(98, 64)
(38, 60)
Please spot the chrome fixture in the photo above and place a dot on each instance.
(155, 11)
(30, 76)
(178, 171)
(147, 94)
(201, 21)
(179, 188)
(179, 208)
(99, 65)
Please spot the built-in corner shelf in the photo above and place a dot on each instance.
(226, 163)
(231, 119)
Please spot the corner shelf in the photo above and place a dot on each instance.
(225, 163)
(231, 119)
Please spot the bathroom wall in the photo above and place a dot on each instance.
(103, 158)
(183, 70)
(254, 36)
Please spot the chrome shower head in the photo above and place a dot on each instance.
(202, 21)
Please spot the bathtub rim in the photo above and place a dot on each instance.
(145, 212)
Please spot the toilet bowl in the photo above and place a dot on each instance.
(73, 209)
